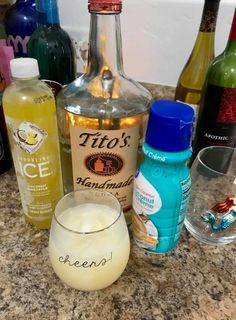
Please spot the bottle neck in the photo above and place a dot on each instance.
(205, 42)
(209, 16)
(47, 12)
(165, 157)
(105, 45)
(231, 45)
(25, 81)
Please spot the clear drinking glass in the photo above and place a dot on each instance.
(89, 242)
(211, 214)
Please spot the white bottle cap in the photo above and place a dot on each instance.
(24, 68)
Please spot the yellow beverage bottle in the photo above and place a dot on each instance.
(30, 113)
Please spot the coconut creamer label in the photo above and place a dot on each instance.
(146, 202)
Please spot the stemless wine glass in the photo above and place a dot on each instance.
(89, 242)
(211, 214)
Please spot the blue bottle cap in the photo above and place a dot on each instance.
(170, 126)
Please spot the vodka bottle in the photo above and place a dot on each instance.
(102, 115)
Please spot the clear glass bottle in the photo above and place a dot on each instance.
(51, 46)
(102, 115)
(20, 23)
(30, 113)
(217, 115)
(190, 83)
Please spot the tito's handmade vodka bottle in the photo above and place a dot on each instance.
(102, 115)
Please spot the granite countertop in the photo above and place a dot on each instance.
(194, 281)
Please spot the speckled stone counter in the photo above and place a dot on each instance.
(194, 282)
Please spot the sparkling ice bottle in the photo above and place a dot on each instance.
(30, 112)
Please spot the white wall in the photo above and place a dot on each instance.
(158, 35)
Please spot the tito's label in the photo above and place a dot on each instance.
(105, 159)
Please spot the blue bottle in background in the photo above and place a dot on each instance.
(20, 23)
(162, 183)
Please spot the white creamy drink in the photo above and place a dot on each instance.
(89, 246)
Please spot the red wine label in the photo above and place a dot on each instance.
(227, 110)
(217, 125)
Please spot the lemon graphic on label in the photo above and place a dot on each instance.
(31, 138)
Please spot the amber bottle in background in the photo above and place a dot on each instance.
(217, 117)
(190, 83)
(102, 115)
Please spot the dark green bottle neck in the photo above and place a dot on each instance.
(231, 45)
(209, 16)
(47, 12)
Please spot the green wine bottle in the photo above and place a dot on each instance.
(191, 80)
(51, 45)
(217, 115)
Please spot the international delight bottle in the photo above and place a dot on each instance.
(102, 115)
(162, 183)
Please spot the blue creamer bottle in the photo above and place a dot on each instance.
(162, 183)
